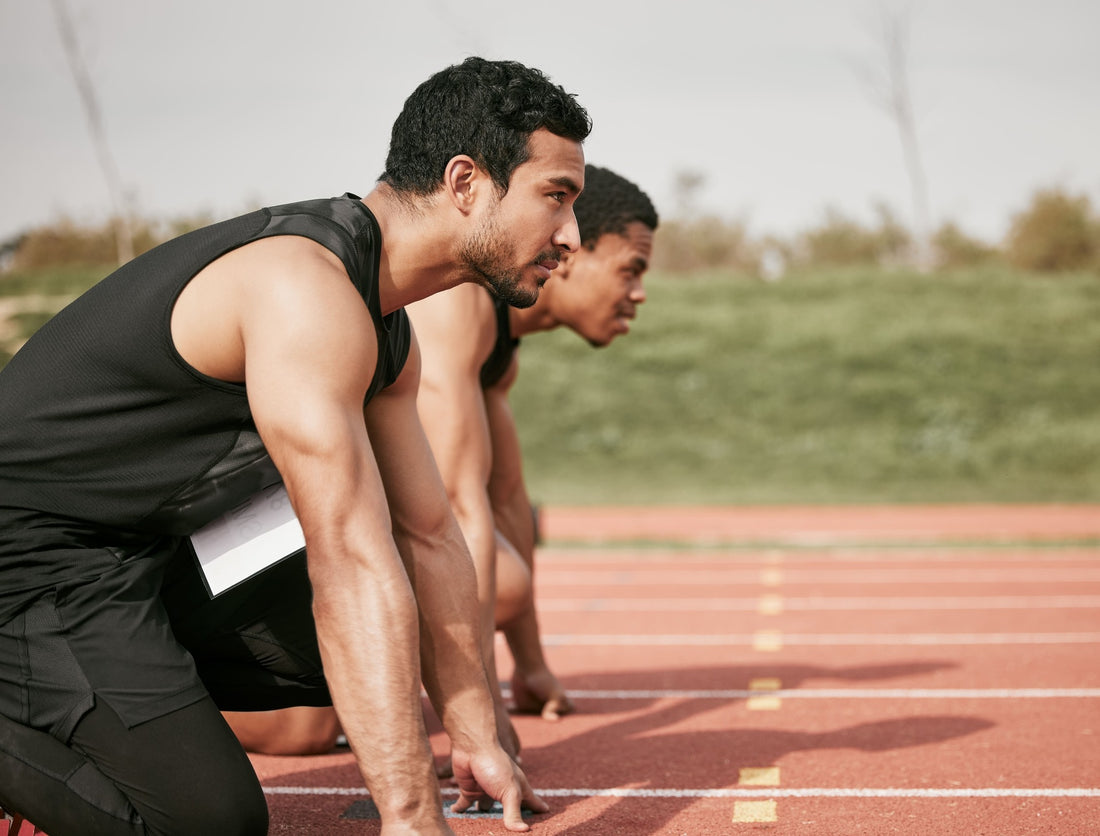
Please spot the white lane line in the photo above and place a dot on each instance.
(748, 792)
(844, 693)
(564, 560)
(679, 576)
(820, 603)
(821, 639)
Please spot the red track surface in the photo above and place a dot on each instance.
(799, 671)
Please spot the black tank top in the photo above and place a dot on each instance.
(105, 430)
(496, 365)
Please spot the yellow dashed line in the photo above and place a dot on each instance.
(765, 683)
(754, 811)
(767, 640)
(770, 605)
(759, 776)
(771, 577)
(764, 702)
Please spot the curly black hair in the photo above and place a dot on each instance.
(484, 109)
(609, 203)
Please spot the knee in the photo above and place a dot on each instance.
(312, 732)
(248, 816)
(515, 593)
(236, 811)
(304, 730)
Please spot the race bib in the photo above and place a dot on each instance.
(242, 543)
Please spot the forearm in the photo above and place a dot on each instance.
(368, 635)
(451, 655)
(475, 520)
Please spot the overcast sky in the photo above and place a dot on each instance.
(218, 106)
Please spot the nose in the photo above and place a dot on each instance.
(568, 235)
(637, 292)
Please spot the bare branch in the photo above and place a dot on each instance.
(890, 89)
(84, 87)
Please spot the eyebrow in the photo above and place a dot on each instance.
(567, 183)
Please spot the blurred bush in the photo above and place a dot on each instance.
(953, 249)
(840, 241)
(704, 244)
(1057, 232)
(65, 243)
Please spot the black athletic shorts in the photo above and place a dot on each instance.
(104, 636)
(140, 632)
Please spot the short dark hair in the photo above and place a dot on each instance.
(608, 204)
(484, 109)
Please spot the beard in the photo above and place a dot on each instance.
(487, 254)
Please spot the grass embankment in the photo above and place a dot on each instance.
(857, 386)
(839, 388)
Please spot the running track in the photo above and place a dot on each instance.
(798, 671)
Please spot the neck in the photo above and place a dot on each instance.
(419, 248)
(538, 317)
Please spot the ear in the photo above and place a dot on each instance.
(463, 180)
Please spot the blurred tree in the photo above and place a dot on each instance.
(686, 189)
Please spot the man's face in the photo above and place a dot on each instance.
(600, 293)
(520, 238)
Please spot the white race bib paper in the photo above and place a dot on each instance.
(253, 536)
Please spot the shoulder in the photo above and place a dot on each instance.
(294, 291)
(455, 325)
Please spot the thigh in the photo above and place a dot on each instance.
(105, 637)
(117, 629)
(184, 772)
(255, 646)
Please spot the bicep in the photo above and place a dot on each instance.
(454, 343)
(506, 477)
(310, 354)
(417, 499)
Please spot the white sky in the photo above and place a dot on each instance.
(218, 106)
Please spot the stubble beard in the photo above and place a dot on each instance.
(485, 254)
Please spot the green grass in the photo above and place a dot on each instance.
(59, 281)
(840, 388)
(28, 299)
(846, 387)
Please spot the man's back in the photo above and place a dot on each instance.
(122, 433)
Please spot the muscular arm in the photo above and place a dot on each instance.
(511, 505)
(534, 688)
(445, 586)
(282, 316)
(310, 352)
(439, 568)
(456, 330)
